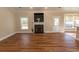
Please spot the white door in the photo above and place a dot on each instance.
(56, 24)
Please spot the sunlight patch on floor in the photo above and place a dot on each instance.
(71, 34)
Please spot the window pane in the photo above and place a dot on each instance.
(69, 22)
(24, 23)
(56, 24)
(77, 21)
(56, 20)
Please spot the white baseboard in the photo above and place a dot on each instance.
(53, 32)
(44, 32)
(6, 36)
(23, 32)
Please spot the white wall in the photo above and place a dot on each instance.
(18, 25)
(48, 15)
(6, 22)
(10, 21)
(49, 20)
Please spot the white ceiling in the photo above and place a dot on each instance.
(65, 9)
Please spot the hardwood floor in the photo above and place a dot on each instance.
(53, 42)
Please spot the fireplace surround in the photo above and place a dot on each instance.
(38, 22)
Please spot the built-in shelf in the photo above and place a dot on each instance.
(38, 17)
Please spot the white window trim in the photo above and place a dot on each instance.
(21, 24)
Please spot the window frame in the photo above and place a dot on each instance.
(69, 18)
(21, 22)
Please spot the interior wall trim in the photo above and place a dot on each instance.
(7, 36)
(23, 32)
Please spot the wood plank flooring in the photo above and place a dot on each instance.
(52, 42)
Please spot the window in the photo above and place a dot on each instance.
(56, 21)
(77, 21)
(56, 24)
(69, 23)
(24, 23)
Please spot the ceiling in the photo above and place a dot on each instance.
(65, 9)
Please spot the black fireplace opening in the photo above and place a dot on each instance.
(39, 29)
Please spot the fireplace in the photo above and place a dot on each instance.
(39, 28)
(38, 23)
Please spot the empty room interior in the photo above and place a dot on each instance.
(39, 29)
